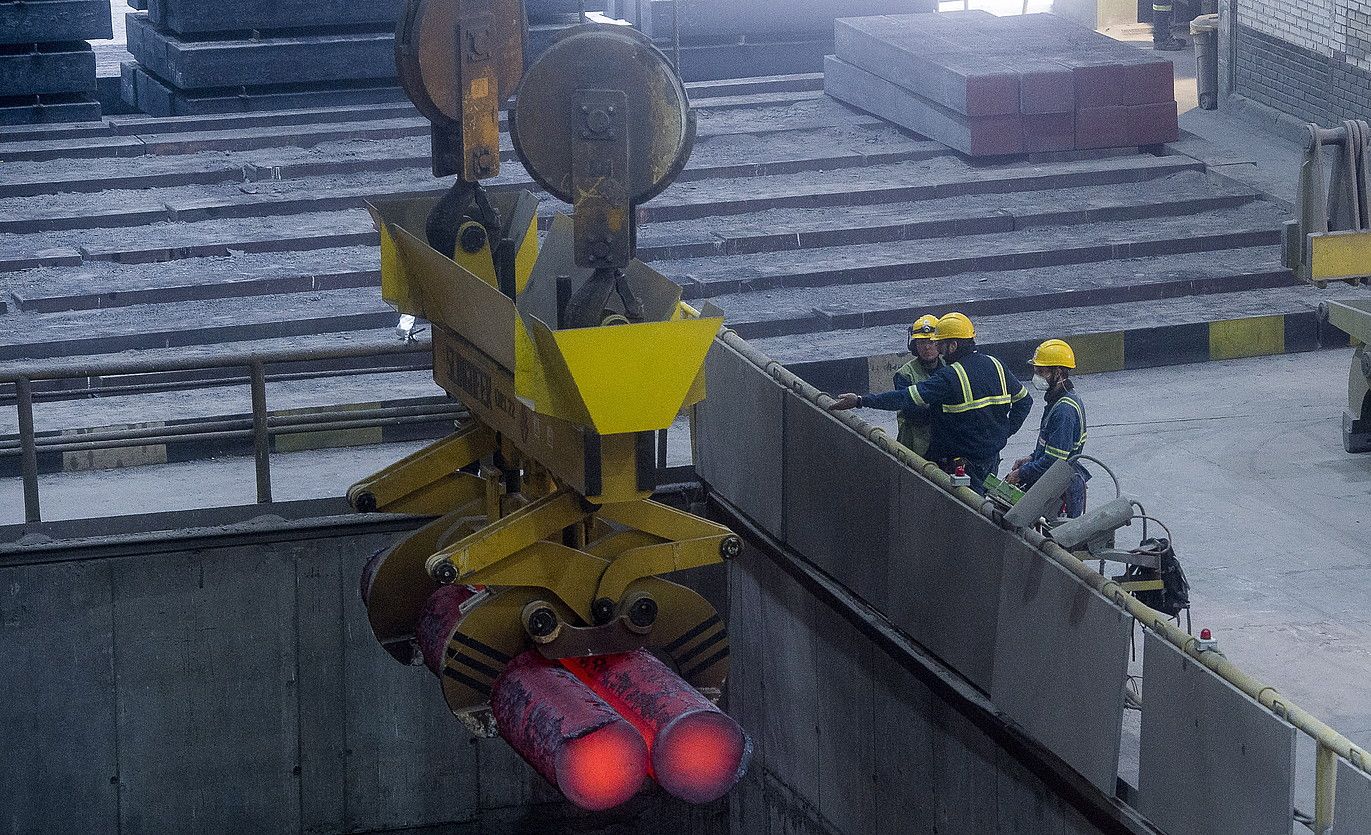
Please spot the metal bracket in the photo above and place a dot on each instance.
(600, 179)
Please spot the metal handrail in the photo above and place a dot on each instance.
(23, 375)
(1331, 744)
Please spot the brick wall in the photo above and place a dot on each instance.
(1308, 58)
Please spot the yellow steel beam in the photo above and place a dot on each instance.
(569, 574)
(404, 487)
(515, 532)
(689, 542)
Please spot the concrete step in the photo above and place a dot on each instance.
(1179, 193)
(176, 325)
(945, 176)
(48, 168)
(938, 177)
(142, 125)
(108, 283)
(166, 241)
(1137, 334)
(273, 185)
(1256, 224)
(809, 310)
(194, 139)
(102, 284)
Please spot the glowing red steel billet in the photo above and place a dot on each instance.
(698, 751)
(567, 733)
(441, 614)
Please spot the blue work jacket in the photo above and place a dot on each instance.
(1061, 437)
(976, 404)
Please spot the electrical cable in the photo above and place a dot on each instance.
(1118, 489)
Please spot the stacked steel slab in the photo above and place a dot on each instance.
(988, 85)
(737, 38)
(47, 70)
(208, 56)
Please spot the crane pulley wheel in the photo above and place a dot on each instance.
(551, 116)
(435, 38)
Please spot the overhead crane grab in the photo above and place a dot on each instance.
(570, 355)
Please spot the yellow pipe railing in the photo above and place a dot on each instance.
(1331, 744)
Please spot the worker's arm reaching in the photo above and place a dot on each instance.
(938, 389)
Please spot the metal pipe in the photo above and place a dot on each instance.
(237, 359)
(277, 425)
(1325, 789)
(70, 443)
(29, 454)
(260, 438)
(1263, 693)
(49, 395)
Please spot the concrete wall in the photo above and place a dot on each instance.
(1307, 58)
(847, 740)
(235, 687)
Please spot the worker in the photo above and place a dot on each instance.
(1062, 436)
(915, 422)
(1163, 18)
(976, 403)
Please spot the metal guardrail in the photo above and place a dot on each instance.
(1330, 744)
(260, 427)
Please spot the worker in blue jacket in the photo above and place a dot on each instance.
(1062, 436)
(976, 403)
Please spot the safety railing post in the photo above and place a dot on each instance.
(28, 452)
(1325, 788)
(261, 440)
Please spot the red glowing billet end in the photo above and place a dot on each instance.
(567, 733)
(698, 752)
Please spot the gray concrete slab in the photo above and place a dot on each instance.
(1061, 656)
(1352, 810)
(825, 469)
(59, 717)
(742, 420)
(939, 602)
(1212, 760)
(791, 673)
(200, 660)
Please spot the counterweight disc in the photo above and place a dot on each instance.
(545, 122)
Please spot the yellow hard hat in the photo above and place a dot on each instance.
(1054, 353)
(955, 326)
(923, 328)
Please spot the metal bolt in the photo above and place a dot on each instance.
(731, 547)
(643, 612)
(442, 571)
(602, 610)
(542, 622)
(366, 503)
(473, 237)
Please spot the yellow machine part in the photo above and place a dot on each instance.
(1339, 256)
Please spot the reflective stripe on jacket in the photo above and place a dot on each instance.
(976, 406)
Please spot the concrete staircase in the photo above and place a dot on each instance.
(817, 228)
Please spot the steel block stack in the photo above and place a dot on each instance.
(47, 70)
(742, 38)
(209, 56)
(988, 85)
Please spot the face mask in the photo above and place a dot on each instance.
(1040, 383)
